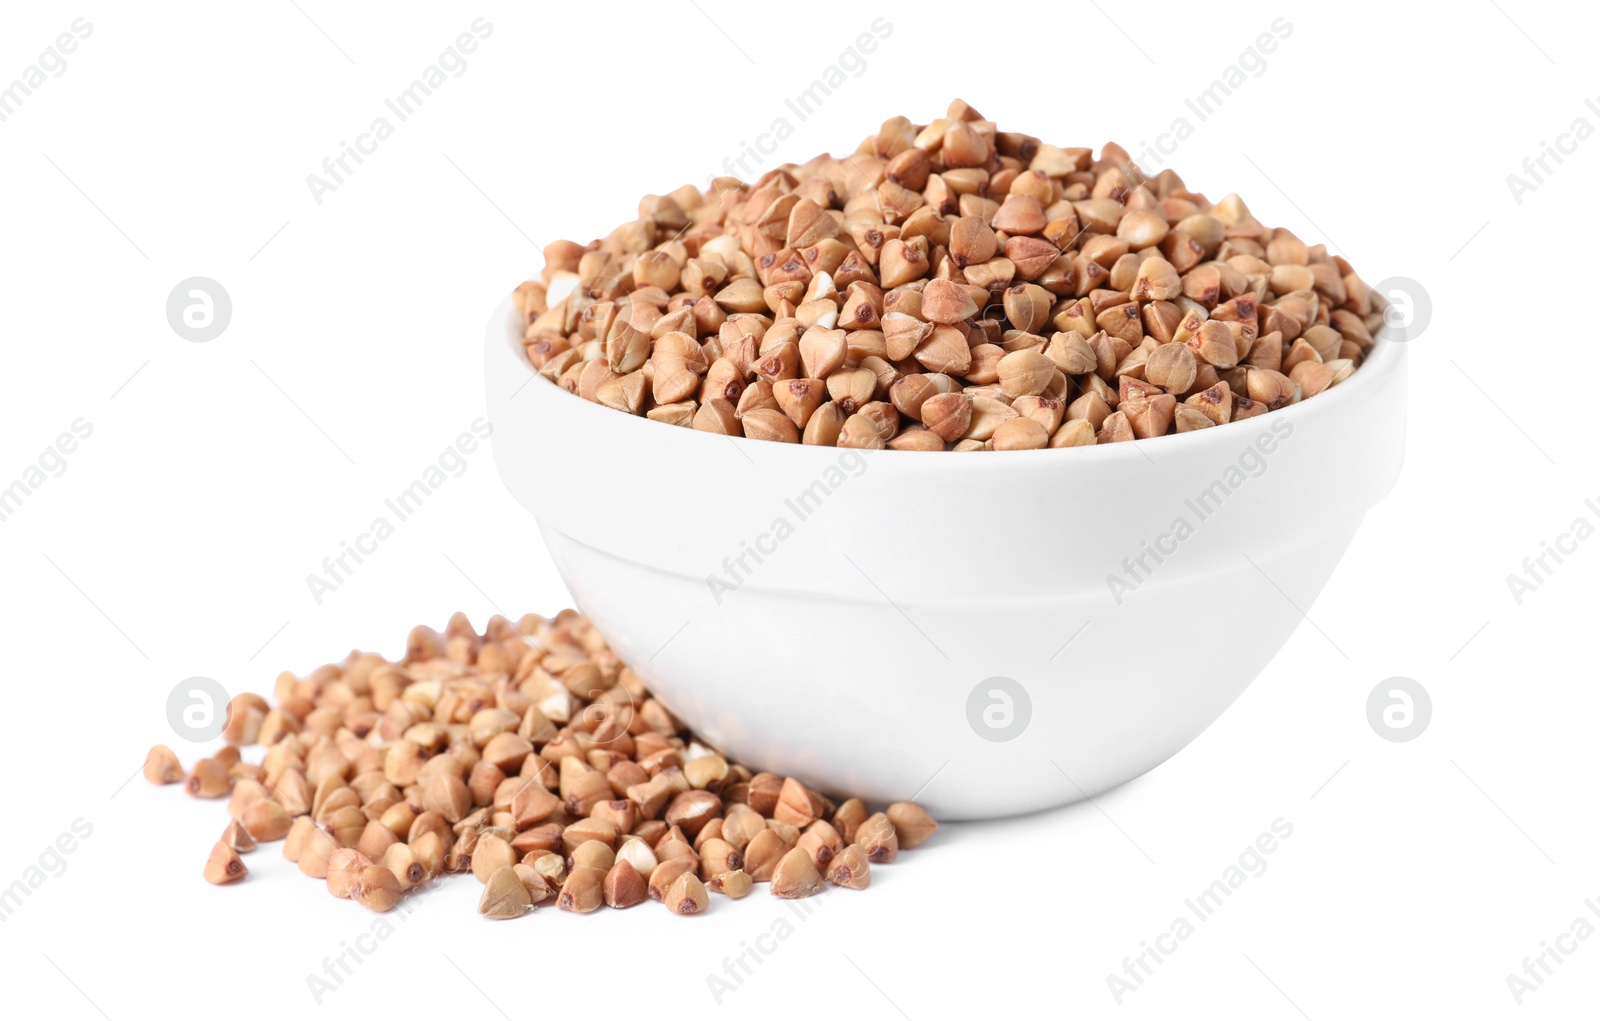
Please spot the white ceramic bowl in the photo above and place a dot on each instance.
(942, 627)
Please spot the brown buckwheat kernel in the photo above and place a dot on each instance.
(531, 756)
(908, 294)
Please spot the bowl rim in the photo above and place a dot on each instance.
(1384, 359)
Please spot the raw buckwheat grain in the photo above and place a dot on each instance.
(531, 757)
(914, 294)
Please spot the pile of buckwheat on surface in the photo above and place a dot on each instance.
(530, 756)
(947, 286)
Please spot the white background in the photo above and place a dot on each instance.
(177, 542)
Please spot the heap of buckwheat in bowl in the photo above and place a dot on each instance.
(531, 757)
(947, 286)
